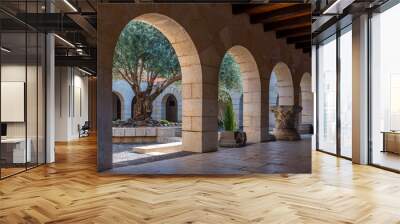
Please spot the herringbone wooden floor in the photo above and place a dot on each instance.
(71, 191)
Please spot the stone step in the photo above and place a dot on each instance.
(159, 148)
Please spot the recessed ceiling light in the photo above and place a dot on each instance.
(70, 5)
(64, 40)
(84, 71)
(5, 50)
(337, 7)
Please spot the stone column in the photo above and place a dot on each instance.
(285, 122)
(50, 93)
(360, 90)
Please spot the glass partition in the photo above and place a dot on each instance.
(327, 96)
(346, 93)
(13, 94)
(22, 88)
(31, 99)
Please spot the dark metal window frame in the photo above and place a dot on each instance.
(337, 35)
(371, 13)
(389, 4)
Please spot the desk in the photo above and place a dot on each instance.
(391, 141)
(13, 150)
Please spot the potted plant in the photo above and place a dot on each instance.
(231, 137)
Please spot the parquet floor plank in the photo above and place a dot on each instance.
(71, 191)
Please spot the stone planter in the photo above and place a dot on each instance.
(232, 139)
(285, 122)
(145, 134)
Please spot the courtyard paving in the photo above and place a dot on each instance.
(267, 157)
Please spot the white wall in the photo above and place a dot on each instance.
(17, 73)
(33, 126)
(71, 103)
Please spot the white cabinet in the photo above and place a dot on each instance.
(17, 147)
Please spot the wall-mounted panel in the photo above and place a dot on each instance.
(12, 101)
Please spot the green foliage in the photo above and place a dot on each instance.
(143, 55)
(164, 122)
(141, 46)
(229, 78)
(229, 118)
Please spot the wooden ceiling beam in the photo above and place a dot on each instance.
(303, 45)
(289, 20)
(292, 32)
(307, 50)
(289, 23)
(267, 8)
(244, 8)
(295, 10)
(298, 39)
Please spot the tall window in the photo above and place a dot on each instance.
(346, 92)
(327, 96)
(385, 88)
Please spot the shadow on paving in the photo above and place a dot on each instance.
(152, 159)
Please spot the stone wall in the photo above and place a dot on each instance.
(307, 100)
(122, 89)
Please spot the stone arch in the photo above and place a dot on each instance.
(284, 84)
(306, 99)
(117, 104)
(251, 84)
(189, 60)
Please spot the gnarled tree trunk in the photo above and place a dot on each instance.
(143, 108)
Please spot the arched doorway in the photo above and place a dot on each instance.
(171, 109)
(251, 85)
(191, 79)
(229, 93)
(281, 91)
(117, 106)
(306, 99)
(306, 102)
(284, 84)
(273, 99)
(133, 107)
